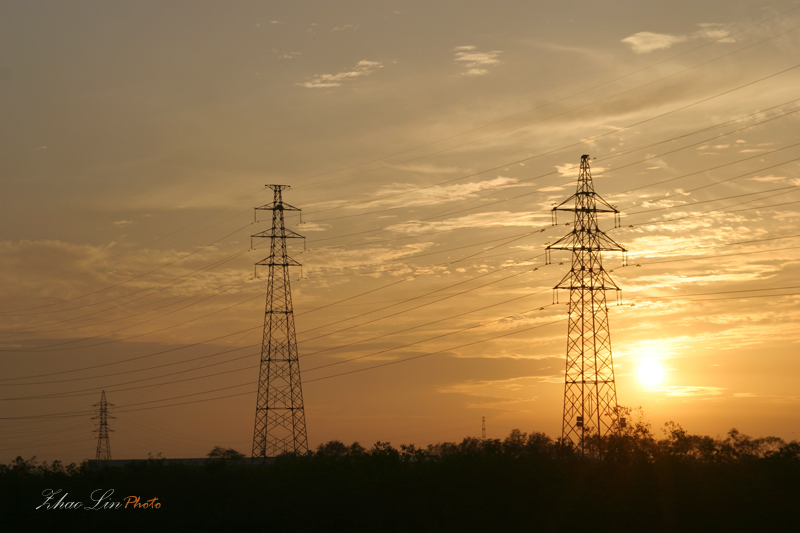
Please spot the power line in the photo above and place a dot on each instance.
(565, 112)
(573, 145)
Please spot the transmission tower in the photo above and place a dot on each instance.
(590, 394)
(483, 427)
(103, 446)
(280, 419)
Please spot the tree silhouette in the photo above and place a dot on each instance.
(218, 452)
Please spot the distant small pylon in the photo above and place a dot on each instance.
(483, 427)
(103, 445)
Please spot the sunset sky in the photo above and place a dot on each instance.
(425, 143)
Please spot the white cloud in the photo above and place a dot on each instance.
(767, 179)
(312, 226)
(715, 32)
(122, 223)
(362, 68)
(436, 195)
(476, 72)
(571, 170)
(396, 194)
(478, 220)
(645, 42)
(346, 27)
(474, 61)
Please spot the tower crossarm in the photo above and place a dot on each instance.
(278, 261)
(598, 280)
(279, 233)
(281, 206)
(578, 202)
(578, 240)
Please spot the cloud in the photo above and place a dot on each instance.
(122, 223)
(715, 32)
(494, 219)
(312, 226)
(436, 195)
(328, 261)
(475, 62)
(84, 268)
(688, 391)
(287, 55)
(496, 394)
(645, 42)
(361, 69)
(767, 179)
(394, 195)
(346, 27)
(429, 169)
(571, 170)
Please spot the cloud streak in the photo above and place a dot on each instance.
(645, 42)
(495, 219)
(475, 62)
(326, 81)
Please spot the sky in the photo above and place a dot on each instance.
(425, 143)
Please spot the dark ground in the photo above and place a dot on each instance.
(522, 483)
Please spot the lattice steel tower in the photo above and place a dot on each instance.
(280, 419)
(590, 394)
(103, 445)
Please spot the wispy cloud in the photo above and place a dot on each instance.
(645, 42)
(429, 169)
(571, 170)
(361, 69)
(495, 394)
(767, 179)
(494, 219)
(436, 195)
(286, 55)
(351, 27)
(122, 223)
(312, 226)
(475, 62)
(328, 261)
(688, 391)
(394, 195)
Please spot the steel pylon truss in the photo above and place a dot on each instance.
(280, 425)
(590, 395)
(103, 444)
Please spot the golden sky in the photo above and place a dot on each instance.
(426, 143)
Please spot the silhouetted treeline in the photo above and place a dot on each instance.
(632, 481)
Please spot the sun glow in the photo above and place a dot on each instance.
(651, 372)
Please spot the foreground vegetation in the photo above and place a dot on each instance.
(680, 482)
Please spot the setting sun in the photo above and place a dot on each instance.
(651, 373)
